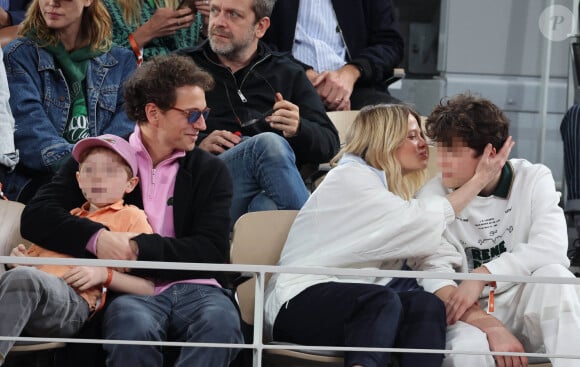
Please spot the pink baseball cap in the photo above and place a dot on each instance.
(113, 142)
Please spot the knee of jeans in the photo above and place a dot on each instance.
(273, 145)
(22, 278)
(221, 324)
(385, 300)
(123, 320)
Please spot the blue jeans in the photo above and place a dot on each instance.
(185, 313)
(264, 175)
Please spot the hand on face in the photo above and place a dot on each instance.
(491, 163)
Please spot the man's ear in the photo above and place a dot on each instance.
(131, 184)
(493, 152)
(78, 175)
(153, 113)
(262, 26)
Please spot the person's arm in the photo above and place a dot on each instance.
(500, 339)
(16, 12)
(41, 145)
(83, 278)
(156, 24)
(384, 47)
(8, 152)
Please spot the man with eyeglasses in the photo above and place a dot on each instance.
(186, 194)
(267, 118)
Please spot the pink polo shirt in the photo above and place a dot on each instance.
(157, 186)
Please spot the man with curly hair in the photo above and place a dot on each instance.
(186, 194)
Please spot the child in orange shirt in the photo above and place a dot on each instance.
(58, 299)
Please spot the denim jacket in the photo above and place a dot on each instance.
(40, 102)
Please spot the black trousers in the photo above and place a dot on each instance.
(365, 315)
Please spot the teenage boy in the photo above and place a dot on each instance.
(514, 227)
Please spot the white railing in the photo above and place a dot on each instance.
(260, 271)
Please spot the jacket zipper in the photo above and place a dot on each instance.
(239, 88)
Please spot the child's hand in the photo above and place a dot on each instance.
(85, 277)
(19, 250)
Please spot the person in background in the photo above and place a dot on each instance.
(12, 12)
(266, 119)
(8, 152)
(65, 81)
(186, 194)
(57, 300)
(514, 226)
(363, 216)
(348, 55)
(569, 129)
(156, 27)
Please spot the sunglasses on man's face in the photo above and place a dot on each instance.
(193, 115)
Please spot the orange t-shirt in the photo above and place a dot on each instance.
(117, 217)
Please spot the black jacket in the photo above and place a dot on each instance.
(201, 205)
(250, 92)
(368, 28)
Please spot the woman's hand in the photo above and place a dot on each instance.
(164, 22)
(491, 162)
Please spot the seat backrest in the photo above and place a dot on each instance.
(258, 239)
(10, 212)
(342, 121)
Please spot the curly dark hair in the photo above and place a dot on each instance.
(156, 81)
(475, 120)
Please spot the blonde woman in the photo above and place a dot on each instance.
(363, 215)
(156, 27)
(65, 82)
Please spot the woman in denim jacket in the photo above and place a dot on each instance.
(65, 83)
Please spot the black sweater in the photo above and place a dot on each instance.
(250, 92)
(201, 205)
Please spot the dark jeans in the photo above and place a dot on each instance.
(365, 315)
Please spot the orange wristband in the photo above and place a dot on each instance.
(136, 49)
(491, 303)
(109, 278)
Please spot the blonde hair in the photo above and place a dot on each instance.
(131, 9)
(375, 135)
(96, 27)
